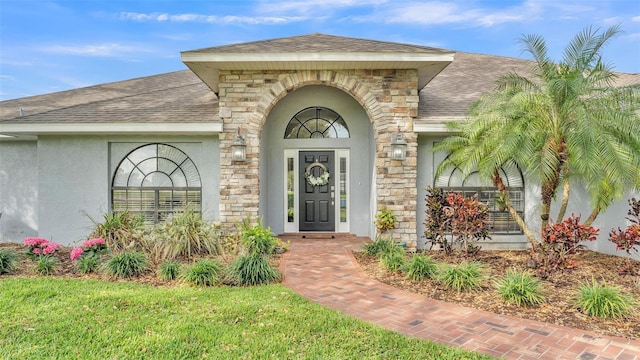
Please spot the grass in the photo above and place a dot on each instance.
(90, 319)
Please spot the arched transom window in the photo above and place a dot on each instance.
(316, 122)
(156, 181)
(500, 221)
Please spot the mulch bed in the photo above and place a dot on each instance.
(559, 289)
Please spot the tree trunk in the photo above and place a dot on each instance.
(497, 181)
(565, 198)
(592, 217)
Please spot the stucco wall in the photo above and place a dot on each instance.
(68, 180)
(18, 190)
(360, 144)
(579, 204)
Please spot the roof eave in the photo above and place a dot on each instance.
(207, 66)
(24, 131)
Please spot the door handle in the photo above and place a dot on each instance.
(333, 197)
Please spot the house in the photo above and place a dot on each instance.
(312, 133)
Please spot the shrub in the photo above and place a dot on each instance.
(453, 219)
(603, 301)
(422, 267)
(257, 239)
(254, 269)
(169, 270)
(469, 221)
(189, 235)
(462, 277)
(117, 229)
(438, 222)
(520, 288)
(126, 264)
(381, 245)
(203, 272)
(46, 264)
(385, 220)
(392, 258)
(88, 263)
(628, 239)
(560, 242)
(8, 261)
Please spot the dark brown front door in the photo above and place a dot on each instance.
(317, 202)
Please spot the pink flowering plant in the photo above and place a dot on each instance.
(91, 247)
(40, 247)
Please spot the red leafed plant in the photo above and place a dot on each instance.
(469, 221)
(560, 241)
(453, 220)
(629, 238)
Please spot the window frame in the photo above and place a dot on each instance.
(151, 201)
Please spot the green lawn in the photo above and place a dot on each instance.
(90, 319)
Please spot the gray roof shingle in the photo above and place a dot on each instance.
(318, 43)
(182, 97)
(172, 97)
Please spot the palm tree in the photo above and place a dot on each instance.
(566, 121)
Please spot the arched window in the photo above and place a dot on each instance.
(500, 221)
(316, 122)
(156, 181)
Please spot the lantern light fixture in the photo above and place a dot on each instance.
(239, 148)
(398, 146)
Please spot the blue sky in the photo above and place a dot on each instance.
(48, 46)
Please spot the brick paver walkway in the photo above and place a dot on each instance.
(325, 271)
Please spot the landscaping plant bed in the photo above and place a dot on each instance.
(560, 289)
(67, 268)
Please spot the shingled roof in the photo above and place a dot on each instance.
(171, 97)
(319, 43)
(181, 97)
(448, 96)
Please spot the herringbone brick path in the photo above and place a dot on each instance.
(325, 271)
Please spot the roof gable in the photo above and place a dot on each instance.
(321, 43)
(316, 52)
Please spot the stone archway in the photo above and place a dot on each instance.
(389, 97)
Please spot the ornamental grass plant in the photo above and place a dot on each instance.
(126, 264)
(204, 272)
(462, 277)
(253, 269)
(8, 261)
(169, 270)
(421, 267)
(393, 259)
(520, 288)
(604, 301)
(381, 245)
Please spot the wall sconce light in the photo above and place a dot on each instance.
(239, 148)
(398, 146)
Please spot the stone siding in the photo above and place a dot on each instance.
(390, 98)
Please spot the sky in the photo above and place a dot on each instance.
(50, 46)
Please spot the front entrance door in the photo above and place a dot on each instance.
(317, 194)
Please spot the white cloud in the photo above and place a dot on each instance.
(101, 50)
(315, 8)
(437, 13)
(211, 19)
(635, 18)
